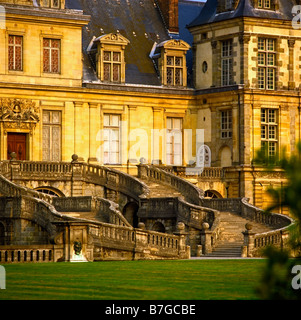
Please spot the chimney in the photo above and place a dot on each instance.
(170, 12)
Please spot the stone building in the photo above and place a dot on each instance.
(247, 82)
(122, 84)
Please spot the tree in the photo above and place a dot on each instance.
(277, 277)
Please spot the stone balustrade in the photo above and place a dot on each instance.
(21, 254)
(189, 191)
(105, 210)
(114, 179)
(75, 173)
(11, 189)
(208, 173)
(254, 244)
(137, 243)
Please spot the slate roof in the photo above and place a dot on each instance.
(244, 9)
(188, 11)
(141, 23)
(137, 20)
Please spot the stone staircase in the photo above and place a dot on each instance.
(231, 225)
(231, 239)
(159, 190)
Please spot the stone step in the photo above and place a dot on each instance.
(158, 190)
(231, 237)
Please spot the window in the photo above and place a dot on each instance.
(174, 71)
(52, 135)
(55, 3)
(15, 48)
(50, 3)
(264, 4)
(266, 63)
(111, 143)
(227, 63)
(109, 53)
(269, 131)
(174, 141)
(51, 55)
(229, 4)
(170, 58)
(226, 124)
(112, 66)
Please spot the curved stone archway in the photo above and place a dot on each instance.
(212, 194)
(159, 227)
(51, 191)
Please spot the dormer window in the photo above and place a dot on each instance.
(56, 4)
(110, 57)
(264, 4)
(171, 62)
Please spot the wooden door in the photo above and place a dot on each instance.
(16, 142)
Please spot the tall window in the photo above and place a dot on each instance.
(52, 121)
(112, 66)
(269, 131)
(51, 55)
(266, 63)
(174, 141)
(264, 4)
(111, 144)
(226, 124)
(227, 63)
(15, 48)
(174, 71)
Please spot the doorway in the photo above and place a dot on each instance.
(16, 142)
(130, 212)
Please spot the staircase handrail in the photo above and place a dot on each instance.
(190, 192)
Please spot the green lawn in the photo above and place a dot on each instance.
(134, 280)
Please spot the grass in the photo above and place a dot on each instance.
(134, 280)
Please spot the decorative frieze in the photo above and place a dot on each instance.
(18, 113)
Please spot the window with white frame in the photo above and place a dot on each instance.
(52, 141)
(174, 141)
(111, 140)
(266, 63)
(269, 131)
(227, 63)
(226, 124)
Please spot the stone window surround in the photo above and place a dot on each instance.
(267, 124)
(61, 50)
(20, 33)
(111, 43)
(175, 49)
(216, 45)
(274, 5)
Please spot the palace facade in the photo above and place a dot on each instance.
(118, 82)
